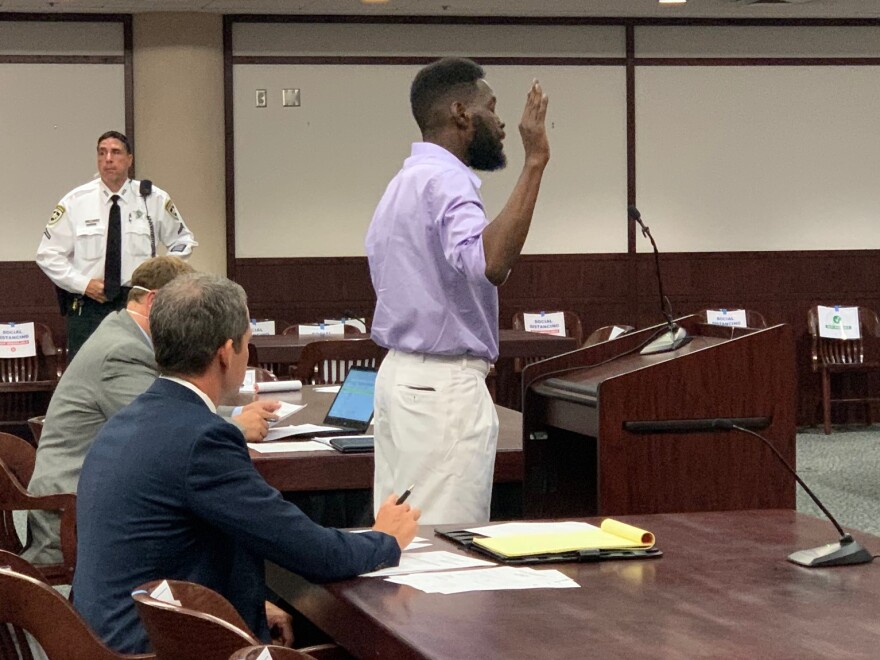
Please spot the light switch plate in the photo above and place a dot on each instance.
(290, 98)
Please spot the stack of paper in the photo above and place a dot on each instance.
(421, 562)
(285, 410)
(286, 447)
(498, 578)
(611, 535)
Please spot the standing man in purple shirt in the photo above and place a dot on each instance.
(435, 261)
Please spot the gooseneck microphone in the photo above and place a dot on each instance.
(845, 552)
(145, 190)
(676, 336)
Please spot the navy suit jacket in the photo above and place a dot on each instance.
(168, 491)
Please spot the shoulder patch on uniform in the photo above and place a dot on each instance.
(56, 215)
(178, 248)
(169, 206)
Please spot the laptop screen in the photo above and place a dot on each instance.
(353, 405)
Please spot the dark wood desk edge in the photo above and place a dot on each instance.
(332, 470)
(328, 607)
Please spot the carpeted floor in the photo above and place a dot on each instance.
(843, 469)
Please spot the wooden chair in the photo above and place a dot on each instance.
(29, 604)
(753, 319)
(17, 459)
(27, 383)
(263, 375)
(13, 641)
(205, 626)
(327, 362)
(35, 424)
(604, 333)
(845, 356)
(253, 358)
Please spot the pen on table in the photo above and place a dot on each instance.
(402, 498)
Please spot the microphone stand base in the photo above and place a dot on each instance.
(670, 340)
(833, 554)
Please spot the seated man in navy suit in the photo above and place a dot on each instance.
(168, 489)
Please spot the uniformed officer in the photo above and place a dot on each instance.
(100, 232)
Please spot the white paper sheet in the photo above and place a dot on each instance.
(547, 323)
(423, 562)
(306, 429)
(250, 385)
(279, 432)
(285, 411)
(17, 340)
(735, 318)
(520, 528)
(262, 327)
(269, 386)
(839, 322)
(163, 593)
(497, 578)
(616, 331)
(417, 543)
(322, 329)
(328, 389)
(284, 447)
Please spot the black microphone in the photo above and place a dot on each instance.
(676, 336)
(846, 551)
(145, 190)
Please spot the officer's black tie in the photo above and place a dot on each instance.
(113, 258)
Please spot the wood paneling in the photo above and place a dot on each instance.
(600, 288)
(28, 295)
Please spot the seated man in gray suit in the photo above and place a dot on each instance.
(168, 489)
(115, 365)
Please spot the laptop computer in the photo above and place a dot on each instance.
(352, 408)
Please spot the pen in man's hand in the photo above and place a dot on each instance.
(402, 498)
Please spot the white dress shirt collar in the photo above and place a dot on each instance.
(204, 397)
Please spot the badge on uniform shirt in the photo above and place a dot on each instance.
(56, 215)
(47, 234)
(169, 206)
(92, 223)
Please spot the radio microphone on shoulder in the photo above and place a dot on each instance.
(145, 190)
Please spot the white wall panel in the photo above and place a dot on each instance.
(759, 158)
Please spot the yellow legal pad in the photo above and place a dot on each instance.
(611, 535)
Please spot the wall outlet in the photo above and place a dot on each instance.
(262, 100)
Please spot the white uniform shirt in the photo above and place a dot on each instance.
(75, 240)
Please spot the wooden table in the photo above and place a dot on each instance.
(331, 470)
(279, 352)
(723, 589)
(286, 349)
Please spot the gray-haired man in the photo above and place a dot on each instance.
(168, 489)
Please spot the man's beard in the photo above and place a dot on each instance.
(486, 151)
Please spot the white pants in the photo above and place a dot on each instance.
(435, 429)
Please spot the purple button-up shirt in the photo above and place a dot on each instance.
(426, 257)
